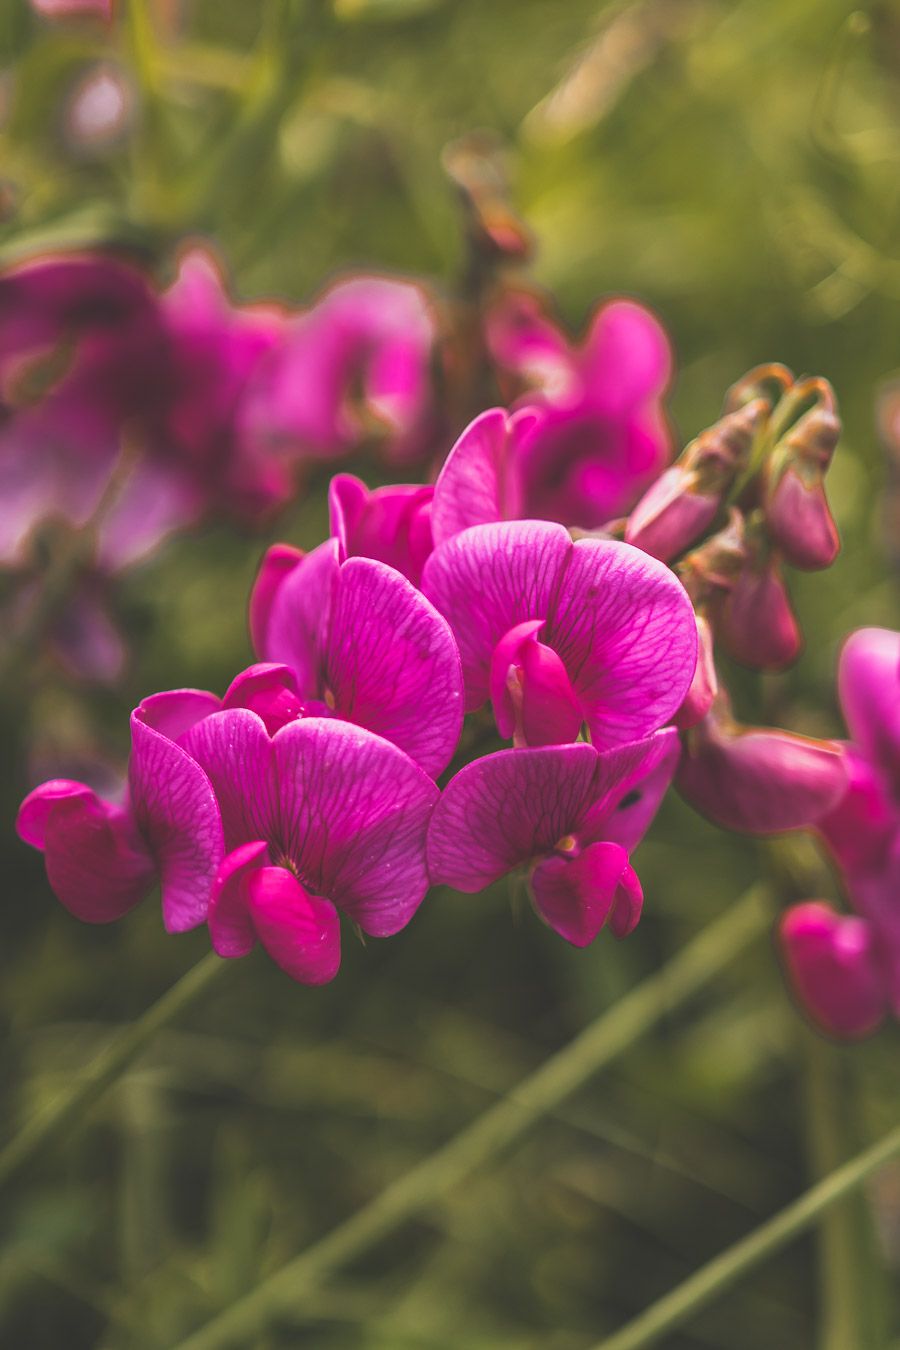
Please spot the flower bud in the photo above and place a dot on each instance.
(754, 619)
(759, 780)
(475, 165)
(768, 382)
(834, 968)
(797, 513)
(684, 501)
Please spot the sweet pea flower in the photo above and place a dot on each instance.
(103, 857)
(320, 818)
(391, 524)
(93, 360)
(559, 634)
(605, 436)
(363, 644)
(356, 364)
(569, 813)
(64, 9)
(845, 968)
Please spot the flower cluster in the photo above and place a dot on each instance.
(129, 413)
(501, 669)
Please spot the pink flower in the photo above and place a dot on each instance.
(605, 436)
(63, 9)
(570, 814)
(320, 818)
(558, 633)
(363, 642)
(356, 365)
(391, 524)
(102, 857)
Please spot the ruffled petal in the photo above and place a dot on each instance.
(629, 784)
(178, 816)
(301, 932)
(575, 896)
(392, 664)
(269, 690)
(627, 359)
(506, 808)
(175, 711)
(625, 628)
(480, 481)
(487, 580)
(234, 751)
(231, 928)
(354, 811)
(97, 863)
(277, 564)
(300, 617)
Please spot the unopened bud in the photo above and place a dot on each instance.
(755, 621)
(797, 512)
(834, 968)
(685, 500)
(759, 780)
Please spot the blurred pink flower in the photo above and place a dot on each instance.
(354, 367)
(604, 436)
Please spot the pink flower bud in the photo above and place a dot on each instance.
(797, 513)
(755, 621)
(834, 968)
(685, 500)
(758, 780)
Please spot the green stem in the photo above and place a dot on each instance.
(46, 1127)
(499, 1127)
(681, 1303)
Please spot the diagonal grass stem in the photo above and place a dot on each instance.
(109, 1065)
(497, 1129)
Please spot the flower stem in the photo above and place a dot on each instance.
(48, 1125)
(499, 1127)
(676, 1307)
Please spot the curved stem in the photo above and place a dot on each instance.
(106, 1067)
(676, 1307)
(498, 1128)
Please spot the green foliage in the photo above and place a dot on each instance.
(735, 164)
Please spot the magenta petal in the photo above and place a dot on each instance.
(231, 928)
(625, 628)
(300, 616)
(869, 685)
(833, 968)
(278, 563)
(175, 711)
(354, 812)
(480, 482)
(347, 498)
(392, 664)
(627, 358)
(505, 659)
(504, 809)
(301, 932)
(575, 895)
(490, 578)
(96, 862)
(629, 783)
(234, 751)
(627, 905)
(269, 690)
(178, 815)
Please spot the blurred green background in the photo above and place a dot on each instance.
(735, 165)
